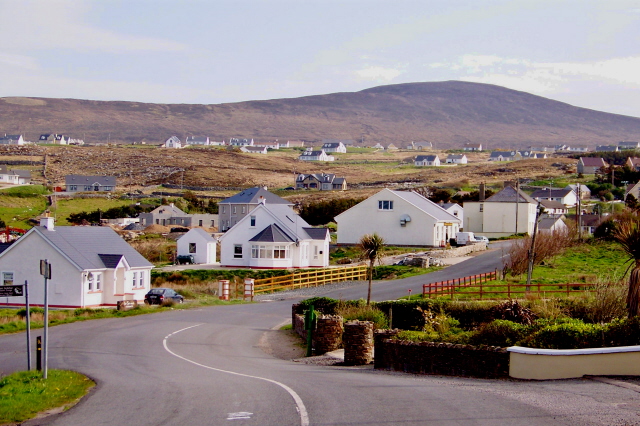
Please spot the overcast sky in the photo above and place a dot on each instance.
(586, 53)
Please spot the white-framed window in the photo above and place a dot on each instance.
(237, 251)
(135, 279)
(94, 281)
(269, 252)
(253, 221)
(385, 205)
(73, 187)
(7, 278)
(315, 252)
(481, 208)
(244, 209)
(192, 247)
(141, 279)
(98, 281)
(223, 209)
(235, 209)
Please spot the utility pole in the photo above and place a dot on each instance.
(517, 201)
(579, 212)
(532, 248)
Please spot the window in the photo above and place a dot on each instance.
(237, 251)
(234, 209)
(269, 252)
(481, 208)
(385, 205)
(192, 247)
(253, 221)
(98, 280)
(141, 279)
(315, 252)
(7, 278)
(199, 223)
(244, 209)
(94, 281)
(135, 279)
(223, 209)
(73, 187)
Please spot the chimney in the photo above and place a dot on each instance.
(481, 192)
(47, 221)
(262, 201)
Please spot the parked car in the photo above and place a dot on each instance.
(185, 259)
(483, 239)
(464, 238)
(158, 296)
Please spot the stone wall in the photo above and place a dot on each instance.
(327, 336)
(358, 342)
(458, 251)
(439, 358)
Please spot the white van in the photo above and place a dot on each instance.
(464, 238)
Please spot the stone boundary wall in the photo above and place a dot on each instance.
(326, 337)
(358, 342)
(458, 251)
(439, 358)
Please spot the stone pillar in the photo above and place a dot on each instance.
(358, 342)
(327, 336)
(379, 336)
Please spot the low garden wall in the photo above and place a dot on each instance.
(439, 358)
(458, 251)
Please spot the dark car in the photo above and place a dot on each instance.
(158, 296)
(185, 259)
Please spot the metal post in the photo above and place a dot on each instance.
(28, 321)
(46, 326)
(39, 353)
(533, 247)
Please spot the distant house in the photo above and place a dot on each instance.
(91, 266)
(607, 148)
(552, 224)
(526, 154)
(539, 155)
(378, 146)
(321, 181)
(240, 142)
(583, 191)
(554, 207)
(47, 137)
(234, 208)
(61, 139)
(633, 163)
(11, 140)
(508, 212)
(565, 196)
(197, 140)
(456, 159)
(472, 147)
(628, 145)
(590, 165)
(295, 144)
(170, 215)
(310, 155)
(455, 209)
(420, 146)
(578, 149)
(14, 176)
(633, 189)
(199, 244)
(173, 142)
(391, 147)
(330, 147)
(270, 145)
(589, 223)
(345, 142)
(254, 149)
(273, 236)
(505, 156)
(400, 217)
(81, 183)
(427, 160)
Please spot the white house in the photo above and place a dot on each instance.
(456, 159)
(274, 237)
(400, 217)
(554, 207)
(172, 142)
(427, 160)
(11, 140)
(508, 212)
(240, 142)
(552, 224)
(197, 140)
(310, 155)
(566, 196)
(472, 147)
(505, 156)
(91, 266)
(14, 176)
(455, 209)
(334, 147)
(254, 149)
(199, 244)
(590, 165)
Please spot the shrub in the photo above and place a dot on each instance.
(548, 308)
(363, 313)
(564, 334)
(326, 305)
(547, 246)
(22, 313)
(512, 310)
(623, 332)
(499, 333)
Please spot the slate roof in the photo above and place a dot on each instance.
(90, 247)
(503, 154)
(110, 260)
(312, 153)
(252, 196)
(455, 156)
(553, 193)
(22, 173)
(272, 234)
(547, 222)
(322, 177)
(425, 205)
(317, 233)
(331, 145)
(593, 161)
(3, 169)
(508, 195)
(426, 158)
(170, 209)
(197, 139)
(90, 180)
(607, 148)
(45, 136)
(4, 246)
(201, 232)
(552, 204)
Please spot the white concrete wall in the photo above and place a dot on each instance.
(205, 249)
(498, 219)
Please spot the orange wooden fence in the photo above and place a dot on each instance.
(313, 278)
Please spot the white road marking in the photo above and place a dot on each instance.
(302, 410)
(240, 415)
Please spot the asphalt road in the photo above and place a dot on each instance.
(205, 367)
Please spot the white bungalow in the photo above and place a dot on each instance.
(310, 155)
(274, 237)
(199, 244)
(173, 142)
(427, 160)
(401, 218)
(456, 159)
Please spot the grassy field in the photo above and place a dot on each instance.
(75, 205)
(25, 394)
(19, 204)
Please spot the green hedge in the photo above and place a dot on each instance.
(206, 275)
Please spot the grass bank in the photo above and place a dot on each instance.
(25, 394)
(19, 204)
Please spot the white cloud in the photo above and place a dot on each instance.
(18, 61)
(378, 73)
(64, 24)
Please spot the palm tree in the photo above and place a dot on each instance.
(627, 233)
(371, 248)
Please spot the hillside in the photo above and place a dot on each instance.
(446, 113)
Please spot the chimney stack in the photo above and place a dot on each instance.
(47, 221)
(481, 192)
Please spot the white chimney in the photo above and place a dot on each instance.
(262, 200)
(47, 221)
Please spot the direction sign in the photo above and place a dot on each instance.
(11, 290)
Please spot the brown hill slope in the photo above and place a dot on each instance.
(446, 113)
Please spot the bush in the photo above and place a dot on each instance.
(499, 333)
(512, 310)
(363, 313)
(22, 313)
(623, 332)
(564, 334)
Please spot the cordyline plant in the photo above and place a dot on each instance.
(627, 234)
(371, 248)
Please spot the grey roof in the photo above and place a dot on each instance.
(591, 219)
(331, 144)
(22, 173)
(447, 206)
(607, 148)
(252, 196)
(593, 161)
(312, 153)
(508, 195)
(320, 177)
(339, 180)
(45, 136)
(456, 156)
(90, 180)
(583, 188)
(90, 247)
(170, 209)
(548, 222)
(504, 154)
(551, 192)
(110, 260)
(272, 234)
(425, 205)
(3, 169)
(317, 233)
(290, 225)
(202, 139)
(426, 158)
(201, 232)
(552, 204)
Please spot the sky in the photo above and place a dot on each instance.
(583, 52)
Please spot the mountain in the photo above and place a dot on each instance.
(446, 113)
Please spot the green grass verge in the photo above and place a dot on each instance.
(25, 394)
(66, 207)
(18, 205)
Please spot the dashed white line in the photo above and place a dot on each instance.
(302, 410)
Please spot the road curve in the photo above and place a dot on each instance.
(204, 367)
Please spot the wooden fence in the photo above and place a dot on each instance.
(314, 278)
(475, 287)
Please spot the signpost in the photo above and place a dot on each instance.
(45, 271)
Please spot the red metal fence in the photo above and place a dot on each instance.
(441, 288)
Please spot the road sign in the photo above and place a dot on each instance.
(11, 290)
(45, 269)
